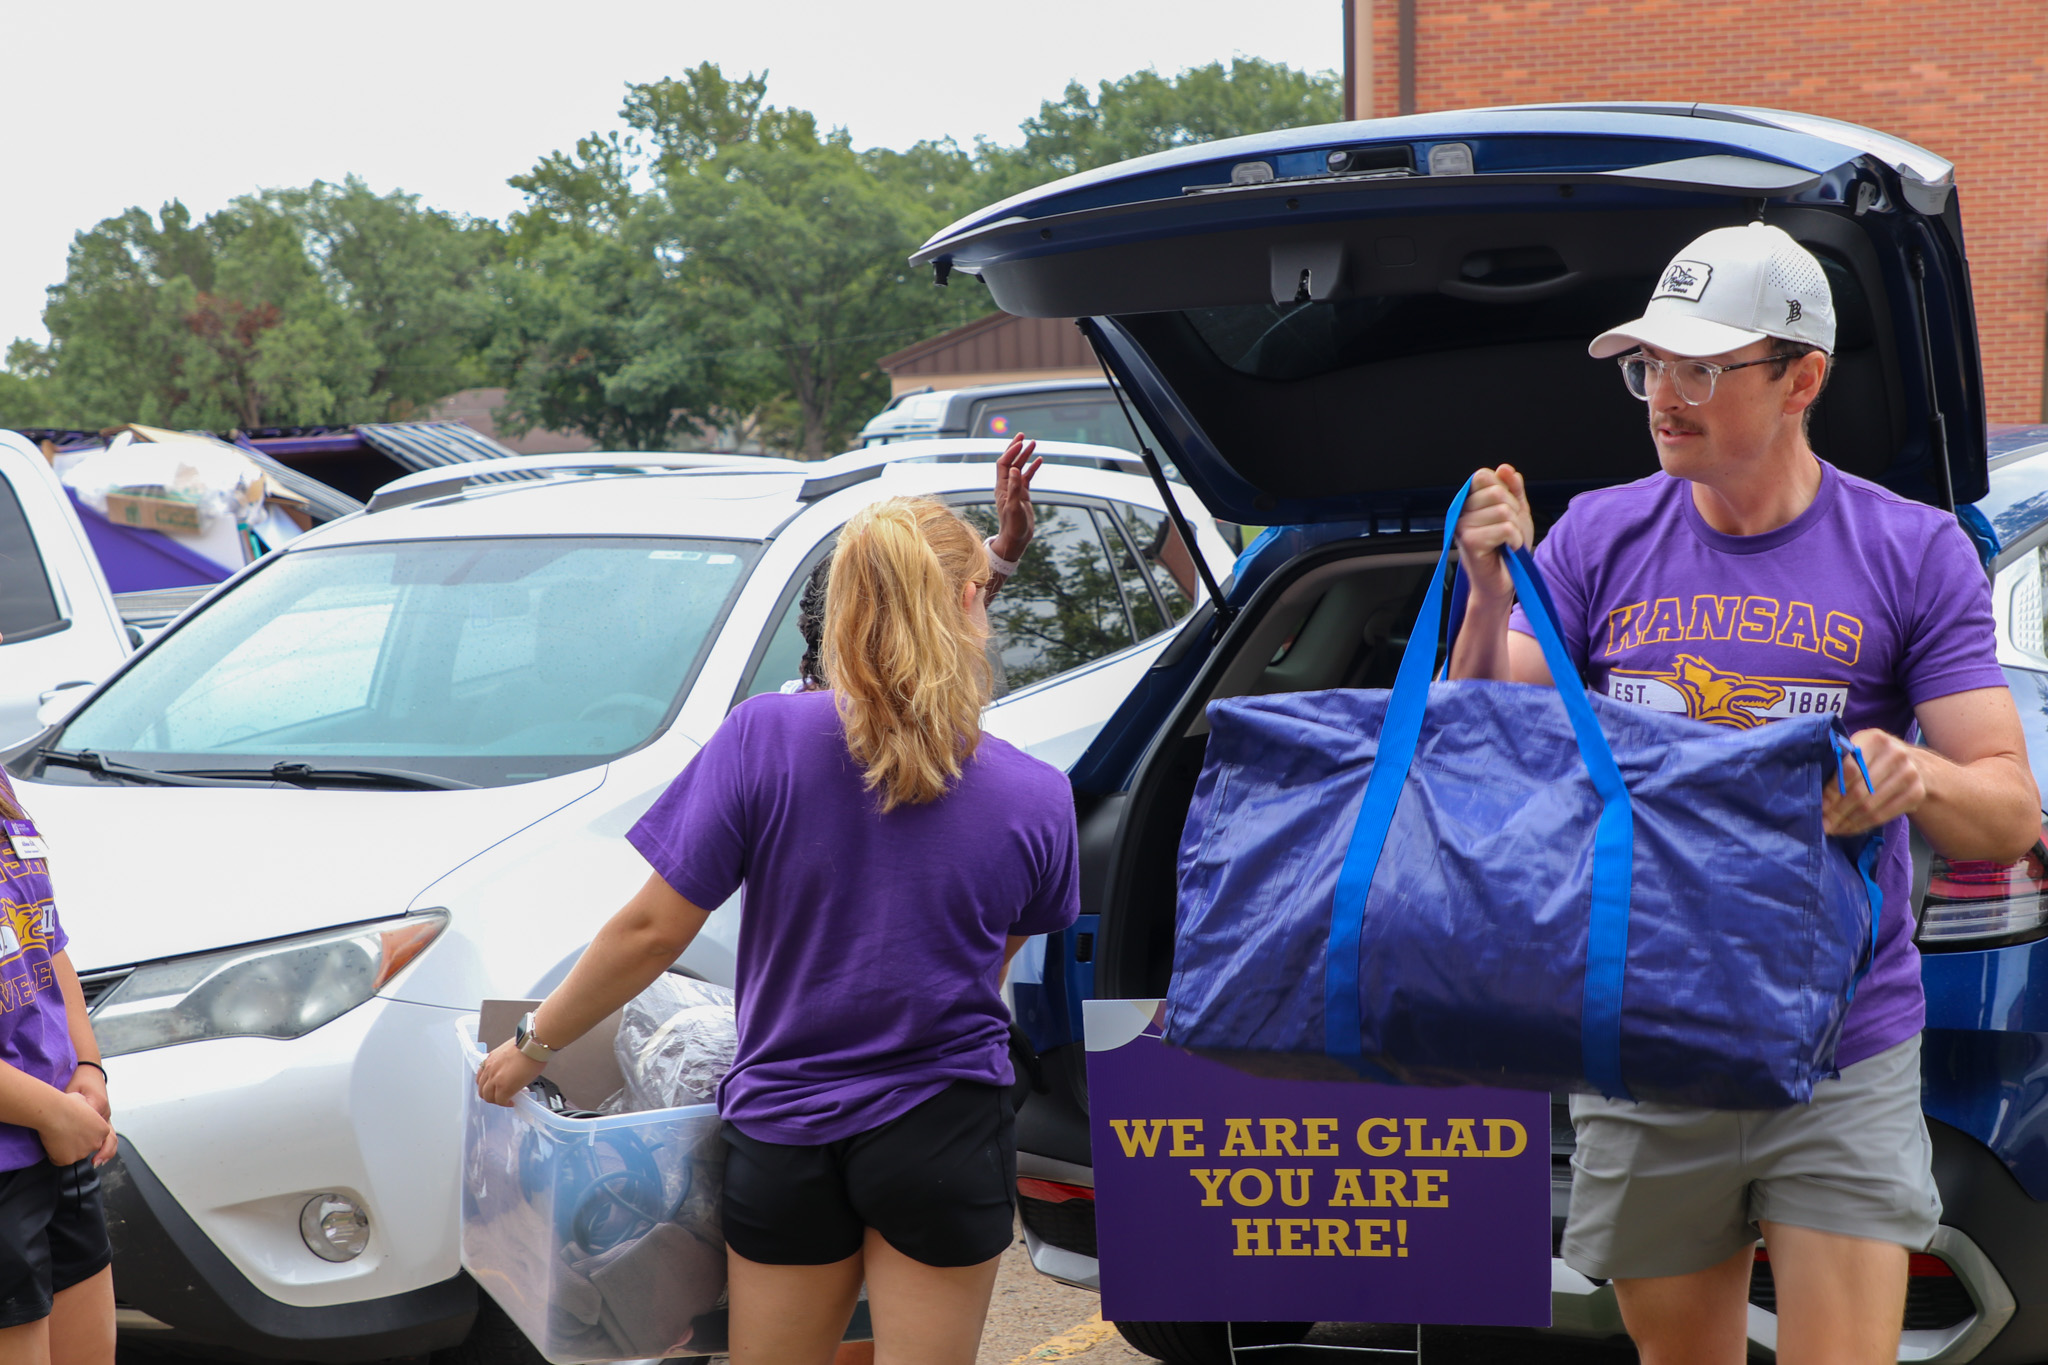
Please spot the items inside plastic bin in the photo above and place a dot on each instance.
(599, 1235)
(675, 1043)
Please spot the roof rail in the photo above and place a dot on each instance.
(824, 485)
(449, 480)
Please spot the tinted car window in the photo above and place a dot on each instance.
(1166, 557)
(782, 656)
(27, 606)
(1064, 608)
(782, 660)
(1147, 612)
(1088, 419)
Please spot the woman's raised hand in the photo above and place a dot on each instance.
(1016, 523)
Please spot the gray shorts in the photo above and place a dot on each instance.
(1666, 1189)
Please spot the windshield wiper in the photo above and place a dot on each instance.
(305, 774)
(107, 767)
(311, 776)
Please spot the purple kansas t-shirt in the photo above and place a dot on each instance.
(871, 944)
(1863, 606)
(35, 1034)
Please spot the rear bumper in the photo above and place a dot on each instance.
(174, 1285)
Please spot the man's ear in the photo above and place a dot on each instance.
(1808, 372)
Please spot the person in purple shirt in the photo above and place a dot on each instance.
(56, 1281)
(892, 859)
(1748, 581)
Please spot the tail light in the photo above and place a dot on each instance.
(1970, 901)
(1920, 1265)
(1052, 1191)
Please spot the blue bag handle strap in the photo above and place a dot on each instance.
(1613, 842)
(1867, 853)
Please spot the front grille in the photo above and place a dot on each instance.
(1068, 1225)
(97, 984)
(1933, 1302)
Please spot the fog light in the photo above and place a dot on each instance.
(335, 1227)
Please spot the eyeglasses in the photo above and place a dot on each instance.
(1694, 379)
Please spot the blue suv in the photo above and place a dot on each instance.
(1327, 329)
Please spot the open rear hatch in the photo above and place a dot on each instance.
(1340, 323)
(1331, 327)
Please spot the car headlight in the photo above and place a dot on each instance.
(282, 989)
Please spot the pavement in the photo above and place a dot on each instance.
(1034, 1321)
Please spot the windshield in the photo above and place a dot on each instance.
(484, 661)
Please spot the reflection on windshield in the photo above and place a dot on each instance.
(488, 661)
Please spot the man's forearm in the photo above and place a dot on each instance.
(1482, 648)
(1988, 809)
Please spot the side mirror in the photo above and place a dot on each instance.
(61, 700)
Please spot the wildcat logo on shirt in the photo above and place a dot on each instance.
(1695, 688)
(23, 927)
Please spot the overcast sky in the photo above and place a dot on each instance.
(123, 102)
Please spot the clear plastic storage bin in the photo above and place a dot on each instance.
(598, 1236)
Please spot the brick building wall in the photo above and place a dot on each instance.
(1967, 79)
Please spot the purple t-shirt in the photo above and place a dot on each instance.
(872, 944)
(1863, 606)
(35, 1032)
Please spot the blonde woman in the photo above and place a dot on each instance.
(893, 859)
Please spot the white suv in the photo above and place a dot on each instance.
(383, 774)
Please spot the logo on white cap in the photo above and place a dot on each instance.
(1685, 280)
(1765, 284)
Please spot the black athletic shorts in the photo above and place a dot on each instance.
(53, 1234)
(940, 1183)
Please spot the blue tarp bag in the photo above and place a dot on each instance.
(1491, 883)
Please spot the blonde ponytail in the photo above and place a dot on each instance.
(907, 662)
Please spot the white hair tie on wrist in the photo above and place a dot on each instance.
(1006, 567)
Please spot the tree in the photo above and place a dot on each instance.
(750, 285)
(325, 304)
(25, 389)
(598, 336)
(411, 279)
(803, 253)
(1147, 112)
(603, 330)
(720, 262)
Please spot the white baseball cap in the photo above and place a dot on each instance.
(1730, 287)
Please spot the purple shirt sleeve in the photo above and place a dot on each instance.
(695, 834)
(1557, 558)
(1951, 642)
(1057, 901)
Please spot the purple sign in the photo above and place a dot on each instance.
(1224, 1196)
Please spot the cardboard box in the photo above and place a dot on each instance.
(174, 516)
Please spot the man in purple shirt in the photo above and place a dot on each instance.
(1749, 581)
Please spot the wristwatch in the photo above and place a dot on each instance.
(524, 1039)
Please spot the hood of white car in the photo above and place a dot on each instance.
(151, 872)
